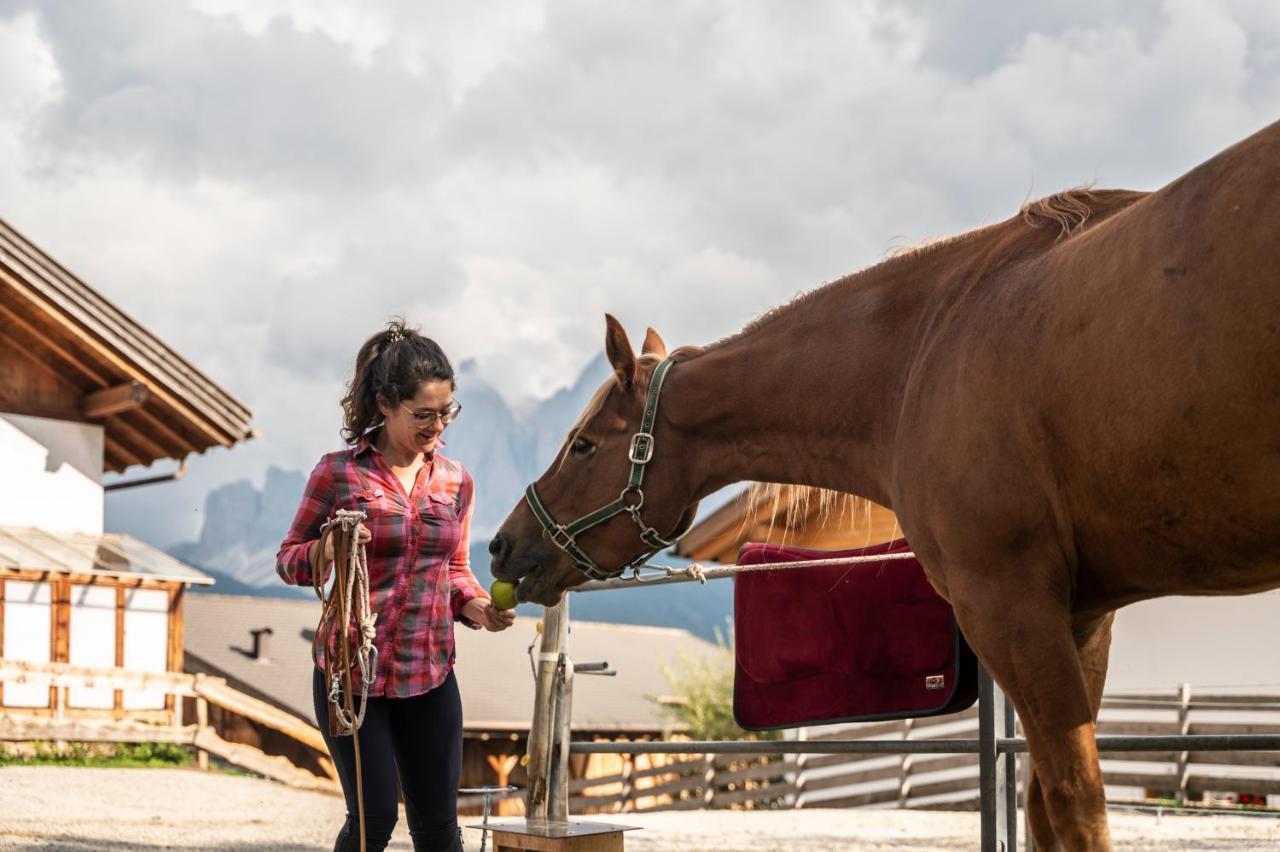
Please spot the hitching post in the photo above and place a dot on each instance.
(555, 630)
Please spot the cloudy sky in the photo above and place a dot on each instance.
(263, 182)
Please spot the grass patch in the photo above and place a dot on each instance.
(105, 755)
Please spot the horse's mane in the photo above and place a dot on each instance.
(1068, 211)
(794, 503)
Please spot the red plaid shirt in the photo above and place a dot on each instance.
(419, 568)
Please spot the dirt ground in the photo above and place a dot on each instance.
(149, 809)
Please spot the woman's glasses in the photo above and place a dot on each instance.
(427, 417)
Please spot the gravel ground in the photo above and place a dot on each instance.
(148, 809)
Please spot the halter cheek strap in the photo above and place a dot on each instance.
(630, 501)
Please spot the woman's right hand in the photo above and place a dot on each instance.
(362, 537)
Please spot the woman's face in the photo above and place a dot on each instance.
(414, 424)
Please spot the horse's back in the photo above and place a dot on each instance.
(1125, 384)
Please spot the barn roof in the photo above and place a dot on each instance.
(101, 366)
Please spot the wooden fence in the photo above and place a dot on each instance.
(61, 724)
(951, 780)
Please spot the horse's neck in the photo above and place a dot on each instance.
(810, 396)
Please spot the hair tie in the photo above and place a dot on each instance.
(396, 336)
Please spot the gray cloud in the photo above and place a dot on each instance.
(264, 182)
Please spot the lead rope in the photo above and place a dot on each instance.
(350, 585)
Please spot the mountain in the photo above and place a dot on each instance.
(243, 526)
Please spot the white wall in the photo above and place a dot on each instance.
(51, 474)
(27, 630)
(1206, 642)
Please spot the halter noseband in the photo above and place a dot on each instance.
(565, 536)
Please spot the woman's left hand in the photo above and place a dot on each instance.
(482, 613)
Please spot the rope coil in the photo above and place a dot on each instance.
(348, 601)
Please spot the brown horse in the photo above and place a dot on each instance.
(1070, 411)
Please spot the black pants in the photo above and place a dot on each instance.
(410, 744)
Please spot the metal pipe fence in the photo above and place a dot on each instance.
(996, 744)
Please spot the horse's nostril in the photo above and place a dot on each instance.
(499, 546)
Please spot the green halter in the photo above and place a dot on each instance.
(565, 536)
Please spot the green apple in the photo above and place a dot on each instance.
(503, 594)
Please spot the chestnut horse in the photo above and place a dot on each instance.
(1069, 411)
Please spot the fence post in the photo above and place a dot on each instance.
(202, 724)
(802, 775)
(709, 782)
(904, 766)
(1008, 764)
(555, 629)
(628, 782)
(999, 826)
(1184, 728)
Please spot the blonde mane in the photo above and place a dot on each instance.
(794, 504)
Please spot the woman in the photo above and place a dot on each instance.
(418, 505)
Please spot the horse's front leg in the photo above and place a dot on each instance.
(1023, 635)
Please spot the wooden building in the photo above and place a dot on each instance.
(85, 390)
(261, 647)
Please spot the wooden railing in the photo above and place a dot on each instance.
(64, 724)
(951, 780)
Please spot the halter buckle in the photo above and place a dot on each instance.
(641, 448)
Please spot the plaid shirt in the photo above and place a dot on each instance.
(419, 568)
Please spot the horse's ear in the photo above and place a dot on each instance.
(618, 348)
(653, 345)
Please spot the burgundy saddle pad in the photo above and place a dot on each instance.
(852, 642)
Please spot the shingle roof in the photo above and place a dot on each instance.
(113, 554)
(493, 669)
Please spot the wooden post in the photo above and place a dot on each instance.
(555, 630)
(558, 784)
(1184, 728)
(628, 781)
(904, 766)
(802, 776)
(202, 724)
(709, 782)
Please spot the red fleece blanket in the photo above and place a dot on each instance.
(846, 642)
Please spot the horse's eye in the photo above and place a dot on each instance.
(582, 447)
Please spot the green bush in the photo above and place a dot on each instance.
(703, 688)
(102, 755)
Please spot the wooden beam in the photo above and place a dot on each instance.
(214, 433)
(117, 449)
(129, 396)
(43, 339)
(128, 427)
(155, 425)
(121, 602)
(174, 661)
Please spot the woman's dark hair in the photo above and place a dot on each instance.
(392, 364)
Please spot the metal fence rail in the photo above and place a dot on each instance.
(996, 747)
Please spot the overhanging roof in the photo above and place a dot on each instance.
(152, 403)
(111, 555)
(720, 536)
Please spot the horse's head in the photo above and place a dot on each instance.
(617, 492)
